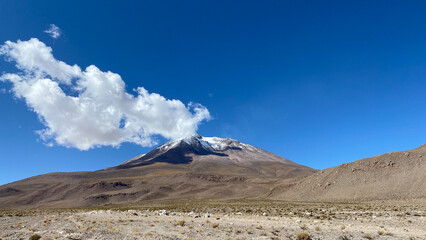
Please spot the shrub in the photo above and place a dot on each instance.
(35, 237)
(368, 236)
(303, 236)
(181, 223)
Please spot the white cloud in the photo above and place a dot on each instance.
(100, 112)
(35, 57)
(53, 31)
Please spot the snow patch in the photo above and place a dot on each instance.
(210, 144)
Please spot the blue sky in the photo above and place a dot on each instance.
(319, 82)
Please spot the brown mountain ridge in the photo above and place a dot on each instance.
(391, 176)
(216, 168)
(194, 167)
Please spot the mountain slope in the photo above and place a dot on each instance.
(391, 176)
(220, 156)
(194, 167)
(199, 167)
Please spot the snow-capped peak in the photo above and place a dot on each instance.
(210, 143)
(198, 148)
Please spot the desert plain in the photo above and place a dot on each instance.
(213, 219)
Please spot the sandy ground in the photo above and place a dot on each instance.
(219, 221)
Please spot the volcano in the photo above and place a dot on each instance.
(192, 167)
(219, 156)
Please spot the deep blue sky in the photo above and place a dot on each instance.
(319, 82)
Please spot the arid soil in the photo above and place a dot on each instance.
(221, 220)
(390, 176)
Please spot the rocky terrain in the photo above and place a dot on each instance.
(220, 220)
(391, 176)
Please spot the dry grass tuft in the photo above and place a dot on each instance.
(368, 236)
(303, 236)
(180, 223)
(35, 237)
